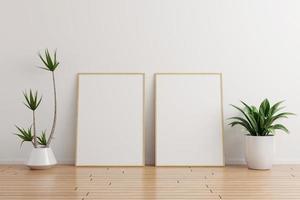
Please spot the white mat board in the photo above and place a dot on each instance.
(110, 127)
(189, 120)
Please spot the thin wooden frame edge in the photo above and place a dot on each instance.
(188, 73)
(77, 113)
(220, 74)
(110, 73)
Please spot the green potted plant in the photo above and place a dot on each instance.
(261, 125)
(41, 156)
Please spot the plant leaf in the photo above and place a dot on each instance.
(24, 135)
(32, 101)
(50, 63)
(279, 127)
(42, 140)
(260, 122)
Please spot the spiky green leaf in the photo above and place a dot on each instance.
(42, 140)
(24, 135)
(32, 101)
(50, 62)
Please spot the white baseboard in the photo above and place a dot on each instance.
(22, 161)
(235, 162)
(228, 162)
(286, 162)
(276, 162)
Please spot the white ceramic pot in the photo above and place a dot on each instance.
(41, 158)
(259, 151)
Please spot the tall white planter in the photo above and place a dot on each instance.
(41, 158)
(259, 151)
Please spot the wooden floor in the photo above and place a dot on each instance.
(68, 182)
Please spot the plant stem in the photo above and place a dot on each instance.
(34, 130)
(55, 112)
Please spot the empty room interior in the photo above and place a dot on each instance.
(149, 99)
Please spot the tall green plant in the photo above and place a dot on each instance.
(261, 121)
(32, 101)
(51, 64)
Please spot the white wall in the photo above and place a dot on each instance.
(255, 43)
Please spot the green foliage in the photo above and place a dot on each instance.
(261, 121)
(42, 140)
(32, 100)
(25, 135)
(50, 62)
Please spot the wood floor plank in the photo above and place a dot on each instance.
(87, 183)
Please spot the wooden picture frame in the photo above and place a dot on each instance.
(182, 123)
(110, 119)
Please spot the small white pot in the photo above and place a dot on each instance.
(41, 158)
(259, 151)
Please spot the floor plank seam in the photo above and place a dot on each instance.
(293, 175)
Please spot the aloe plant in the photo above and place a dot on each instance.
(32, 101)
(261, 121)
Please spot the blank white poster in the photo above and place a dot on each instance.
(189, 120)
(110, 127)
